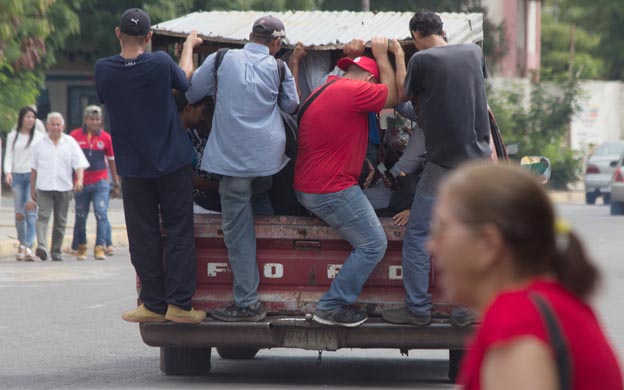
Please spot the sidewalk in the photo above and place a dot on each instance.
(8, 235)
(572, 196)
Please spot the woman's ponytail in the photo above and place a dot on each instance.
(571, 264)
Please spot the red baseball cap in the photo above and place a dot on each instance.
(366, 63)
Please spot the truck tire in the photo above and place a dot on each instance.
(617, 208)
(455, 358)
(606, 199)
(590, 198)
(185, 361)
(237, 353)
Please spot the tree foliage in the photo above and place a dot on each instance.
(556, 57)
(537, 120)
(599, 38)
(31, 32)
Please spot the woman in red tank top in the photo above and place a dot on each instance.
(495, 239)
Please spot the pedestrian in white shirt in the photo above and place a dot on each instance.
(20, 143)
(54, 159)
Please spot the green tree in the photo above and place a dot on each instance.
(538, 123)
(31, 31)
(556, 56)
(603, 21)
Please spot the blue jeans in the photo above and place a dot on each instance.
(240, 237)
(26, 224)
(350, 214)
(416, 258)
(109, 234)
(99, 194)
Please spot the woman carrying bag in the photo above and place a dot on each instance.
(500, 251)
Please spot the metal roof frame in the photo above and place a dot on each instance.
(317, 30)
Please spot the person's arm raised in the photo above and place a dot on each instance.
(379, 46)
(186, 58)
(293, 63)
(401, 69)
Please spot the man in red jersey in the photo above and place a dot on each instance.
(97, 147)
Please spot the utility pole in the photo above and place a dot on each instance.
(572, 48)
(365, 5)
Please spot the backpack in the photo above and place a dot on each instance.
(290, 127)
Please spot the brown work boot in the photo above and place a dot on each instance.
(81, 252)
(142, 314)
(176, 314)
(99, 252)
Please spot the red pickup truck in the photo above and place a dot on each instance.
(298, 257)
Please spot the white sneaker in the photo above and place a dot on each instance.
(28, 255)
(20, 253)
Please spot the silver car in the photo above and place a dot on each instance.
(617, 188)
(599, 171)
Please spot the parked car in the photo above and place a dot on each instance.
(617, 188)
(599, 171)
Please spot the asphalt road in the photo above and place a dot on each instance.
(60, 328)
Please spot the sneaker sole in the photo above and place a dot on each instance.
(335, 323)
(255, 318)
(462, 323)
(406, 322)
(183, 320)
(142, 320)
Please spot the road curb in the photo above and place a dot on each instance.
(575, 197)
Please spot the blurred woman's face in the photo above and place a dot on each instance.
(454, 247)
(29, 121)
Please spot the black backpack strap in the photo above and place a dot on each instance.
(311, 98)
(281, 66)
(557, 340)
(218, 59)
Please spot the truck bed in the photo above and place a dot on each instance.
(298, 257)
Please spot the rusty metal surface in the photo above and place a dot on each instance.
(287, 227)
(298, 258)
(318, 30)
(274, 332)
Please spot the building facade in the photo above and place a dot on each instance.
(521, 20)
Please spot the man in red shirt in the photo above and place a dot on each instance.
(333, 135)
(97, 147)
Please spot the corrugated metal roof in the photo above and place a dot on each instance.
(322, 30)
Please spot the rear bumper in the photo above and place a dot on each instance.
(598, 183)
(296, 332)
(617, 192)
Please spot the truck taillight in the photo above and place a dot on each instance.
(592, 169)
(617, 176)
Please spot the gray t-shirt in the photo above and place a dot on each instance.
(449, 84)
